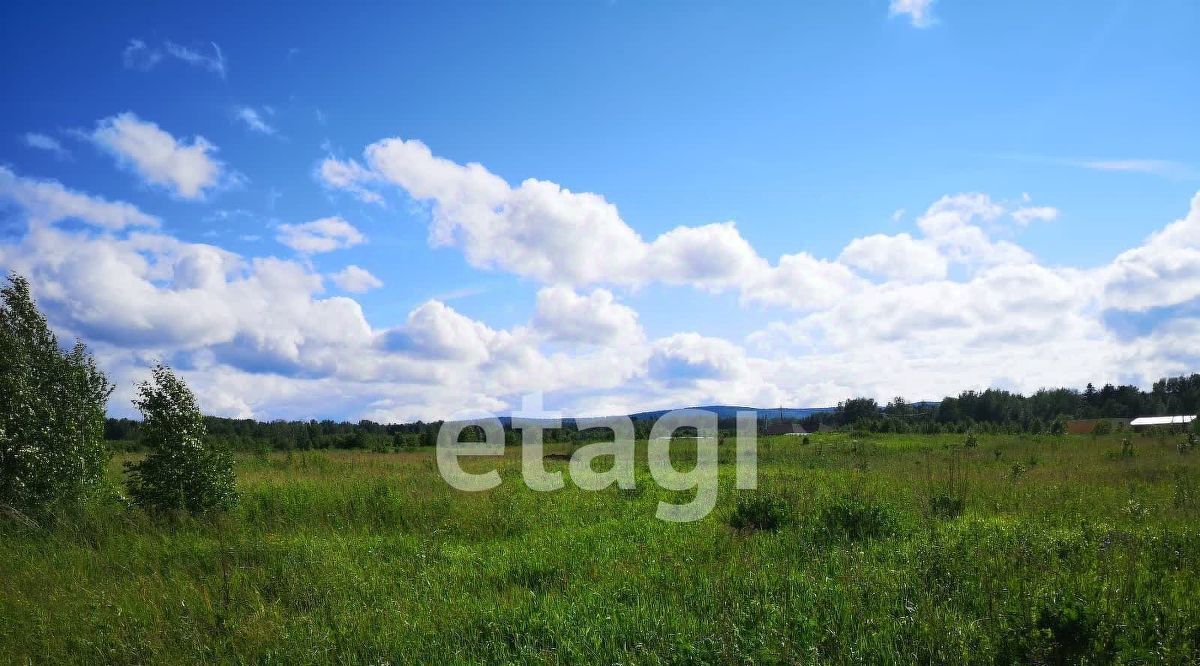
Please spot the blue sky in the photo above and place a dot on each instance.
(924, 197)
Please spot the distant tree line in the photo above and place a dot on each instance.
(993, 410)
(251, 435)
(997, 410)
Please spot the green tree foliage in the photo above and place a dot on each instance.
(51, 410)
(855, 410)
(183, 471)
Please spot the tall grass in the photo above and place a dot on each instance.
(356, 557)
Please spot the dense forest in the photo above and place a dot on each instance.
(993, 410)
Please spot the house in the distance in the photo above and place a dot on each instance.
(1179, 422)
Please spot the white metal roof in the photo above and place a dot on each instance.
(1162, 420)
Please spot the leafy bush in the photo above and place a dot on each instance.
(759, 511)
(1188, 443)
(946, 504)
(51, 411)
(1066, 630)
(857, 519)
(972, 441)
(182, 470)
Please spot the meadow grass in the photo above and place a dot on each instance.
(882, 550)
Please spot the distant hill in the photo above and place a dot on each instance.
(724, 412)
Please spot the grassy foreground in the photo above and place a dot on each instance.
(897, 549)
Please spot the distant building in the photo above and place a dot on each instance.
(784, 428)
(1088, 426)
(1167, 421)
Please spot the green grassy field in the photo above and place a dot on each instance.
(1063, 551)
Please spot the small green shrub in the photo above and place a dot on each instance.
(1187, 444)
(1066, 631)
(857, 519)
(946, 505)
(759, 511)
(1136, 510)
(972, 441)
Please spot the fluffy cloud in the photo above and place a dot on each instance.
(595, 319)
(803, 282)
(47, 202)
(324, 235)
(542, 230)
(1163, 271)
(713, 256)
(689, 357)
(919, 12)
(956, 226)
(186, 168)
(355, 280)
(435, 330)
(539, 229)
(350, 176)
(1029, 214)
(898, 257)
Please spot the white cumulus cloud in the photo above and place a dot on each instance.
(324, 235)
(899, 257)
(48, 201)
(187, 168)
(595, 318)
(356, 280)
